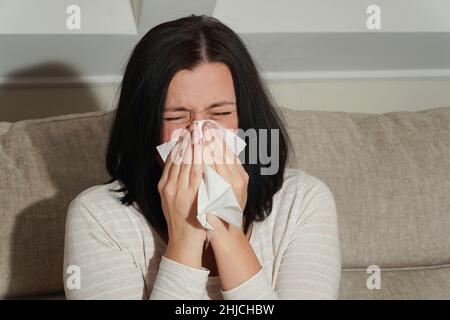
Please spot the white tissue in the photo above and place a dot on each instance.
(215, 195)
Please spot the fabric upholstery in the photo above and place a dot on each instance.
(43, 165)
(414, 284)
(389, 173)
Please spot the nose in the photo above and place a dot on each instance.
(195, 116)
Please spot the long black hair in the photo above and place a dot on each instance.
(136, 129)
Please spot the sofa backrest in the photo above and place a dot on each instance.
(390, 175)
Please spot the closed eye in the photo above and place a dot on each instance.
(172, 119)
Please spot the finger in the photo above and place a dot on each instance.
(225, 155)
(177, 159)
(196, 133)
(197, 167)
(240, 166)
(185, 170)
(208, 147)
(197, 136)
(169, 159)
(231, 156)
(221, 165)
(173, 153)
(228, 164)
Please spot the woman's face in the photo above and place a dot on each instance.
(206, 92)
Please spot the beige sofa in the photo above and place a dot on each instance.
(390, 175)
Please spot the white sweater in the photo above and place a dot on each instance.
(120, 256)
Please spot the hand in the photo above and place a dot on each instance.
(178, 189)
(225, 162)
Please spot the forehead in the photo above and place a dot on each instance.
(198, 88)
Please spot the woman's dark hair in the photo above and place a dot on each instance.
(136, 130)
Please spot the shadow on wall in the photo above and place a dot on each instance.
(58, 160)
(24, 95)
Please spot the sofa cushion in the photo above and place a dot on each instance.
(44, 164)
(413, 284)
(390, 175)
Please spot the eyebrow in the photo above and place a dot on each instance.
(213, 105)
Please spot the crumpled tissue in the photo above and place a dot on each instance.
(215, 195)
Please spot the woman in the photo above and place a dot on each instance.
(137, 236)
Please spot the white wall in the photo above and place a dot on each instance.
(49, 17)
(296, 39)
(317, 55)
(366, 96)
(332, 16)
